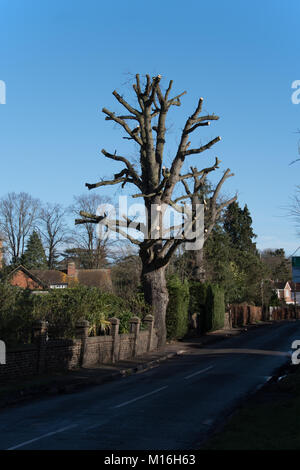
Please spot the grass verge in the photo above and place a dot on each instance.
(270, 420)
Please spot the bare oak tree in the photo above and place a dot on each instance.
(154, 182)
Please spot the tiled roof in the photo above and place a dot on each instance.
(50, 276)
(95, 278)
(88, 277)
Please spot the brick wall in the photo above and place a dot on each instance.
(20, 279)
(44, 356)
(21, 362)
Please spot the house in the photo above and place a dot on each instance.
(296, 287)
(284, 291)
(44, 279)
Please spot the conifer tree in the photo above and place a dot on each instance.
(238, 225)
(34, 256)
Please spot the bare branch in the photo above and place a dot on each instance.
(122, 123)
(168, 90)
(226, 203)
(130, 167)
(226, 175)
(203, 148)
(121, 100)
(176, 101)
(108, 118)
(107, 183)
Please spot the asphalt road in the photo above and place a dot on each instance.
(171, 407)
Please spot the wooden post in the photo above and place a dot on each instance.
(149, 321)
(40, 339)
(135, 328)
(82, 333)
(115, 324)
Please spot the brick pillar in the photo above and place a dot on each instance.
(40, 339)
(115, 323)
(135, 323)
(149, 322)
(82, 333)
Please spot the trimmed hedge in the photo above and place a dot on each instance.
(215, 308)
(208, 301)
(177, 317)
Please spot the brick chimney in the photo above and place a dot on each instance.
(72, 271)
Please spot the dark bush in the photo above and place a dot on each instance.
(177, 311)
(197, 304)
(16, 315)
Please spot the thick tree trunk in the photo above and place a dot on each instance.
(156, 294)
(198, 272)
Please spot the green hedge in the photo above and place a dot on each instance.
(208, 301)
(177, 311)
(16, 315)
(215, 308)
(198, 294)
(19, 309)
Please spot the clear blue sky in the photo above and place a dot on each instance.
(62, 59)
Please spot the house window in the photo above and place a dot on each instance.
(58, 286)
(286, 293)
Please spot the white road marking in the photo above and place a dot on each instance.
(139, 398)
(42, 437)
(199, 372)
(268, 377)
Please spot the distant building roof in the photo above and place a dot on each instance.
(95, 278)
(46, 278)
(282, 285)
(50, 276)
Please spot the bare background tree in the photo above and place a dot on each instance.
(87, 248)
(294, 209)
(154, 182)
(18, 218)
(54, 231)
(200, 193)
(126, 269)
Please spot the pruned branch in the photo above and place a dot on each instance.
(122, 123)
(130, 167)
(182, 151)
(107, 183)
(203, 147)
(121, 100)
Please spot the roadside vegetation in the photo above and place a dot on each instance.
(62, 308)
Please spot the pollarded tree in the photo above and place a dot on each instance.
(155, 183)
(201, 192)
